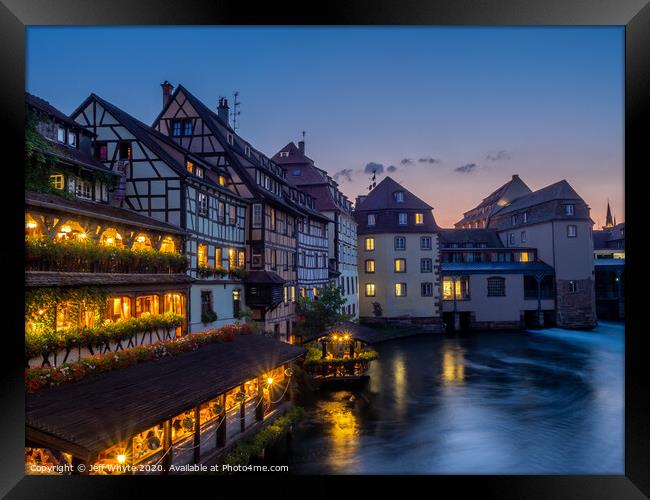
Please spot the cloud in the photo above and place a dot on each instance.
(392, 168)
(467, 168)
(373, 168)
(407, 161)
(429, 160)
(346, 174)
(501, 155)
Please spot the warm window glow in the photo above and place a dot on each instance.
(141, 242)
(222, 180)
(370, 266)
(71, 230)
(315, 291)
(232, 258)
(119, 308)
(447, 289)
(147, 305)
(370, 244)
(218, 258)
(461, 285)
(57, 181)
(202, 255)
(190, 166)
(400, 289)
(370, 289)
(111, 238)
(241, 259)
(419, 218)
(31, 227)
(524, 257)
(167, 245)
(400, 265)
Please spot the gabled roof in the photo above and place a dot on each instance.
(560, 190)
(295, 156)
(165, 148)
(46, 107)
(382, 198)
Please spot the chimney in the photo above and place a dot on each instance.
(515, 176)
(167, 89)
(301, 146)
(223, 111)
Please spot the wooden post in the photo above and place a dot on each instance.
(259, 410)
(167, 445)
(197, 435)
(221, 431)
(242, 411)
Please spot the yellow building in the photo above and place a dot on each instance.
(398, 258)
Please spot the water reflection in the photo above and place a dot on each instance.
(498, 403)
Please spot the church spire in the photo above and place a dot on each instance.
(608, 219)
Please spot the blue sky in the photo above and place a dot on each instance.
(475, 104)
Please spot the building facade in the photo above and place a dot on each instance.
(399, 261)
(166, 182)
(609, 264)
(340, 247)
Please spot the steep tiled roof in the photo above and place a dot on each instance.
(560, 190)
(382, 198)
(55, 278)
(295, 156)
(47, 108)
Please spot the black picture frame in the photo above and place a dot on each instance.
(633, 14)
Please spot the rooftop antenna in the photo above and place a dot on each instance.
(235, 110)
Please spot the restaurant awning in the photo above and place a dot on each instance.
(86, 417)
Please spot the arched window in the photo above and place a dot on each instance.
(32, 228)
(142, 242)
(111, 238)
(71, 230)
(168, 245)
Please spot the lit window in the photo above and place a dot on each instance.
(273, 220)
(189, 166)
(400, 265)
(222, 180)
(419, 218)
(218, 258)
(370, 266)
(31, 227)
(241, 259)
(371, 219)
(370, 289)
(496, 287)
(167, 245)
(202, 255)
(370, 244)
(232, 258)
(141, 242)
(569, 209)
(400, 289)
(399, 196)
(57, 181)
(425, 243)
(402, 219)
(111, 238)
(524, 257)
(147, 305)
(60, 134)
(572, 231)
(455, 287)
(400, 243)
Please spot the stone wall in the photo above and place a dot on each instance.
(576, 309)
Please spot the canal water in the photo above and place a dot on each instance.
(541, 402)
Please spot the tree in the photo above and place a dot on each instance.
(316, 315)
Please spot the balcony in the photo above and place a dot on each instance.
(264, 289)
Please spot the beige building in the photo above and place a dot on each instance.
(398, 257)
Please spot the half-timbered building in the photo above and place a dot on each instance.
(272, 238)
(167, 182)
(341, 227)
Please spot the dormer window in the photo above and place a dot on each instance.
(525, 217)
(569, 209)
(399, 196)
(60, 134)
(72, 139)
(296, 172)
(198, 171)
(402, 219)
(181, 128)
(371, 219)
(419, 218)
(284, 154)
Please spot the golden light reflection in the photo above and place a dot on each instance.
(399, 387)
(453, 366)
(341, 427)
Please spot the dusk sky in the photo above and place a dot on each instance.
(451, 112)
